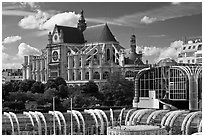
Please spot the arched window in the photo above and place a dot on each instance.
(106, 75)
(177, 85)
(199, 47)
(87, 76)
(96, 75)
(113, 57)
(108, 54)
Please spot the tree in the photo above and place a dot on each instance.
(63, 91)
(60, 81)
(50, 93)
(50, 84)
(90, 88)
(6, 88)
(20, 96)
(118, 91)
(37, 87)
(39, 98)
(16, 85)
(26, 85)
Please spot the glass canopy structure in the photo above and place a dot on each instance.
(180, 84)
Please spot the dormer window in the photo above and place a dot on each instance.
(189, 47)
(184, 48)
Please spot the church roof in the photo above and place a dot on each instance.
(99, 33)
(71, 34)
(137, 61)
(118, 47)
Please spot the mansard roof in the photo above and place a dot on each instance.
(71, 34)
(99, 33)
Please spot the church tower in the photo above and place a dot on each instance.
(81, 22)
(133, 44)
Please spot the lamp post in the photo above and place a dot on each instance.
(71, 119)
(54, 115)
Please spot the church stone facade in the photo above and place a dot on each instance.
(81, 54)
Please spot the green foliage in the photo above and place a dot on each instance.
(39, 98)
(8, 87)
(16, 85)
(37, 87)
(49, 94)
(63, 91)
(5, 91)
(26, 85)
(20, 96)
(60, 81)
(14, 105)
(90, 88)
(50, 84)
(118, 91)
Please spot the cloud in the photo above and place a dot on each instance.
(103, 20)
(25, 49)
(66, 18)
(176, 3)
(32, 5)
(148, 20)
(16, 13)
(11, 39)
(149, 51)
(3, 48)
(19, 8)
(15, 61)
(171, 51)
(34, 21)
(11, 66)
(157, 36)
(163, 13)
(159, 53)
(46, 21)
(5, 57)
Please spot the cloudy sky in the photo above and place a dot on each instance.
(159, 27)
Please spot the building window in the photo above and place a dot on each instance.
(188, 61)
(184, 48)
(87, 76)
(199, 60)
(193, 60)
(199, 47)
(189, 47)
(108, 54)
(198, 55)
(96, 75)
(181, 61)
(177, 85)
(106, 75)
(146, 83)
(79, 76)
(194, 47)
